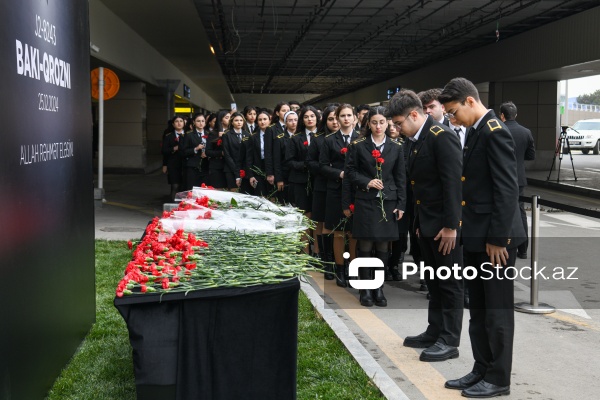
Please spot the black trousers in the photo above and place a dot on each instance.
(446, 303)
(523, 246)
(492, 323)
(194, 177)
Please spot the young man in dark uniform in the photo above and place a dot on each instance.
(434, 171)
(491, 232)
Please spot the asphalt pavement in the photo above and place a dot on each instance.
(555, 355)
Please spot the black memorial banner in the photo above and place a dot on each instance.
(46, 192)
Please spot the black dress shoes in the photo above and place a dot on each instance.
(485, 390)
(465, 382)
(440, 351)
(421, 341)
(522, 255)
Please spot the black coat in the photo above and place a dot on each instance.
(233, 151)
(361, 168)
(295, 158)
(253, 156)
(524, 147)
(281, 169)
(173, 158)
(194, 159)
(332, 160)
(434, 171)
(271, 134)
(490, 188)
(214, 150)
(312, 160)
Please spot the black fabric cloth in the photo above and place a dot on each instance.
(318, 206)
(173, 158)
(229, 343)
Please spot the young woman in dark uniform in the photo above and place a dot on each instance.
(280, 167)
(375, 168)
(277, 128)
(233, 151)
(255, 156)
(194, 152)
(328, 124)
(332, 159)
(214, 150)
(173, 158)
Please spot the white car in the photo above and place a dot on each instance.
(584, 135)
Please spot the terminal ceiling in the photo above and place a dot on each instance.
(333, 47)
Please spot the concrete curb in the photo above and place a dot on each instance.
(565, 187)
(382, 380)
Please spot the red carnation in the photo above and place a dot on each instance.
(380, 160)
(219, 142)
(242, 173)
(306, 142)
(351, 208)
(344, 150)
(376, 153)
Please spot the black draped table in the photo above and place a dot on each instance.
(224, 343)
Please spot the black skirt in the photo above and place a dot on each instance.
(216, 179)
(369, 223)
(300, 197)
(318, 206)
(334, 215)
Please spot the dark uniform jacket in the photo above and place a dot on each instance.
(254, 161)
(312, 160)
(173, 158)
(295, 158)
(490, 189)
(281, 169)
(434, 170)
(194, 159)
(332, 160)
(271, 134)
(232, 151)
(524, 147)
(361, 168)
(214, 150)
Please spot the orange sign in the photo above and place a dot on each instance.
(111, 83)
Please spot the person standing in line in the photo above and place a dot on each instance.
(332, 159)
(398, 247)
(173, 157)
(361, 111)
(294, 106)
(327, 125)
(525, 150)
(214, 150)
(434, 171)
(232, 152)
(491, 231)
(255, 155)
(280, 167)
(375, 168)
(194, 151)
(250, 115)
(277, 128)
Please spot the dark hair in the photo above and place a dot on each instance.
(404, 102)
(322, 127)
(458, 89)
(427, 96)
(303, 111)
(362, 107)
(209, 119)
(197, 115)
(373, 111)
(247, 109)
(275, 117)
(293, 102)
(509, 110)
(218, 123)
(235, 115)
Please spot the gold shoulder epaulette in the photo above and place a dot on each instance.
(494, 124)
(245, 138)
(170, 133)
(280, 136)
(329, 134)
(273, 124)
(397, 142)
(358, 140)
(436, 129)
(318, 134)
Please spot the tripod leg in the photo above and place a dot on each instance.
(571, 155)
(557, 151)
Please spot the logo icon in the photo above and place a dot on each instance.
(365, 262)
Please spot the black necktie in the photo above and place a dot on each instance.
(346, 137)
(240, 137)
(457, 130)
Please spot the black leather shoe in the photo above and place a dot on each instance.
(522, 255)
(379, 298)
(485, 390)
(440, 351)
(421, 341)
(366, 298)
(329, 271)
(465, 382)
(396, 275)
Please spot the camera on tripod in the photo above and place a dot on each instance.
(562, 147)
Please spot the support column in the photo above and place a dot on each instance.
(537, 105)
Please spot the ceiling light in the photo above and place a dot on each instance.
(212, 49)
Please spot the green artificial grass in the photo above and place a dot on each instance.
(102, 368)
